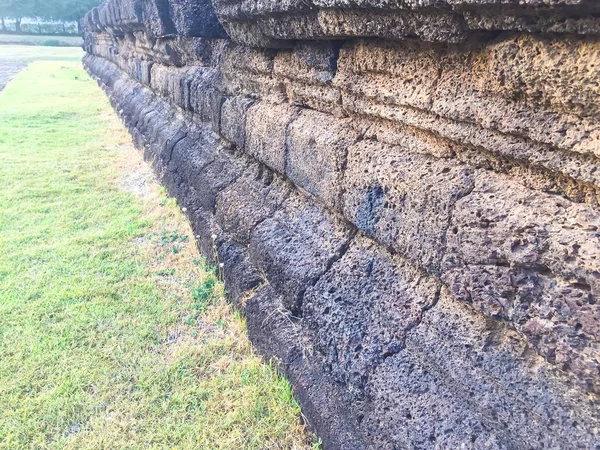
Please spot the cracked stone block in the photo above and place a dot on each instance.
(200, 84)
(402, 199)
(317, 148)
(212, 101)
(296, 246)
(208, 235)
(358, 313)
(266, 133)
(530, 258)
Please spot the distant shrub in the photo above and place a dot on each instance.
(36, 26)
(52, 43)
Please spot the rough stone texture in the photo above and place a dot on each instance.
(266, 133)
(404, 196)
(273, 22)
(296, 246)
(317, 154)
(531, 260)
(404, 200)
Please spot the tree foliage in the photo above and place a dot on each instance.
(61, 10)
(66, 10)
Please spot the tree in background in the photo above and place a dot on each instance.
(59, 10)
(17, 9)
(66, 10)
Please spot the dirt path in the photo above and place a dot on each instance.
(8, 69)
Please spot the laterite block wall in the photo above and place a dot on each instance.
(404, 196)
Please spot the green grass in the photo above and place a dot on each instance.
(109, 338)
(33, 53)
(62, 41)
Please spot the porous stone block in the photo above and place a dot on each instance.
(308, 62)
(359, 311)
(404, 200)
(273, 332)
(259, 23)
(317, 147)
(156, 18)
(254, 197)
(491, 366)
(294, 249)
(195, 18)
(233, 119)
(266, 133)
(530, 258)
(240, 276)
(205, 166)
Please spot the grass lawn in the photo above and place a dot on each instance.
(113, 333)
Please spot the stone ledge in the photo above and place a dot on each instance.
(272, 23)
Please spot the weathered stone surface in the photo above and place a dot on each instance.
(195, 18)
(233, 119)
(253, 198)
(274, 334)
(317, 149)
(477, 84)
(159, 17)
(206, 167)
(359, 312)
(409, 223)
(294, 249)
(530, 259)
(486, 363)
(270, 23)
(267, 131)
(157, 20)
(403, 199)
(241, 278)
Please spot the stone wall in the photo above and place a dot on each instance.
(404, 196)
